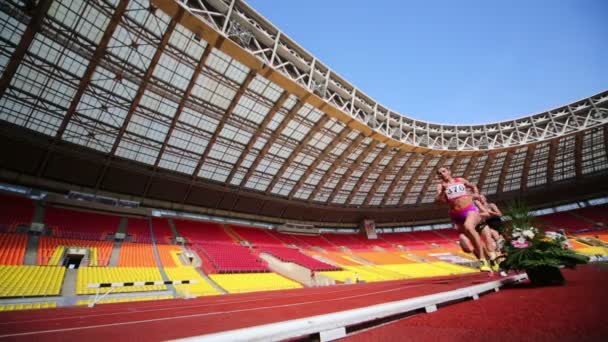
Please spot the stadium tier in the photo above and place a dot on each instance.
(30, 281)
(139, 230)
(15, 211)
(162, 230)
(99, 250)
(97, 275)
(293, 255)
(12, 248)
(229, 257)
(73, 224)
(137, 255)
(256, 236)
(237, 283)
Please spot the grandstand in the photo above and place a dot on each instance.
(223, 130)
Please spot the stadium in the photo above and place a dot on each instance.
(183, 169)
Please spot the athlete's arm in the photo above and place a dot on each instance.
(494, 210)
(471, 186)
(440, 197)
(483, 211)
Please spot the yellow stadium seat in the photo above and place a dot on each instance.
(89, 275)
(248, 282)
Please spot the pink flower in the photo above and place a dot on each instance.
(520, 243)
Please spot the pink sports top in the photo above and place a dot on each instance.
(455, 190)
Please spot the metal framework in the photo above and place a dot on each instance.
(278, 51)
(212, 92)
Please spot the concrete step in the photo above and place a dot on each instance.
(68, 289)
(210, 281)
(122, 227)
(31, 252)
(115, 254)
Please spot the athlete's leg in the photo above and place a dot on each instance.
(466, 244)
(488, 242)
(469, 230)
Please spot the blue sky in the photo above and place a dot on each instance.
(456, 61)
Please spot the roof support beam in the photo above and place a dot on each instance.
(273, 138)
(506, 164)
(551, 160)
(352, 168)
(606, 139)
(149, 72)
(140, 91)
(267, 119)
(410, 184)
(347, 152)
(218, 129)
(93, 62)
(100, 51)
(526, 169)
(484, 172)
(387, 169)
(33, 27)
(578, 155)
(180, 107)
(432, 176)
(367, 171)
(311, 133)
(413, 156)
(314, 164)
(472, 164)
(455, 163)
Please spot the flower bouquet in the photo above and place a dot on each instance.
(529, 248)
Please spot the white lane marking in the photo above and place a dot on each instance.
(196, 315)
(165, 307)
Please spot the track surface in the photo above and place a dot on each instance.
(170, 319)
(574, 312)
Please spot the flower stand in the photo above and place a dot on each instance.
(545, 276)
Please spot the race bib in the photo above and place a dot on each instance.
(455, 190)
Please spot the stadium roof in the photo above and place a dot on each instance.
(207, 106)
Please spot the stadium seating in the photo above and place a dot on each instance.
(565, 221)
(100, 250)
(231, 258)
(162, 231)
(406, 240)
(124, 300)
(139, 230)
(207, 232)
(29, 281)
(256, 236)
(74, 224)
(200, 288)
(248, 282)
(293, 255)
(384, 258)
(350, 241)
(27, 306)
(12, 248)
(597, 214)
(423, 270)
(165, 253)
(136, 254)
(312, 241)
(15, 211)
(89, 275)
(288, 239)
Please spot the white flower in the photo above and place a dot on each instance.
(529, 233)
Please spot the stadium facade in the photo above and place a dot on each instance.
(205, 106)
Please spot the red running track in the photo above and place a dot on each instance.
(171, 319)
(574, 312)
